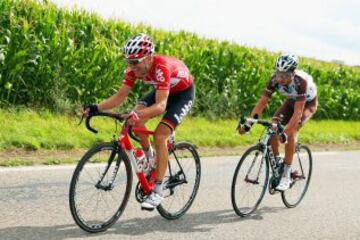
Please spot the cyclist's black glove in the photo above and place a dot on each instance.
(247, 126)
(93, 108)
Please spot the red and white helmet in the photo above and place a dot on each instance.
(139, 46)
(286, 63)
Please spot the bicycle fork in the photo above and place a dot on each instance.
(110, 184)
(254, 181)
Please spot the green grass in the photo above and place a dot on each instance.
(26, 129)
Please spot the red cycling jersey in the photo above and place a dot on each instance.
(165, 73)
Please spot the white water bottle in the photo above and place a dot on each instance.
(150, 154)
(142, 162)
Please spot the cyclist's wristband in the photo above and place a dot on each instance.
(93, 108)
(247, 127)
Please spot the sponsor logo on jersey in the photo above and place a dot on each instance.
(160, 75)
(184, 111)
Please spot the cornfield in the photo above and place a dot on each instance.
(55, 58)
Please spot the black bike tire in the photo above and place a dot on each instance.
(283, 194)
(171, 216)
(74, 180)
(233, 185)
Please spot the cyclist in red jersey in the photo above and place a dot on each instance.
(173, 94)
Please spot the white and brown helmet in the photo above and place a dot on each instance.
(286, 63)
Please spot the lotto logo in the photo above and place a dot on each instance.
(160, 75)
(184, 111)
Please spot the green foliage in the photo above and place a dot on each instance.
(44, 130)
(59, 59)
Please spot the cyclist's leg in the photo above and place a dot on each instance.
(146, 101)
(283, 115)
(144, 138)
(162, 133)
(178, 107)
(309, 110)
(290, 147)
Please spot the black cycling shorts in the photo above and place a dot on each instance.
(177, 107)
(287, 111)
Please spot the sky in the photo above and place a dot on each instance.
(322, 29)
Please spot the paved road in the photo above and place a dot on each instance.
(34, 205)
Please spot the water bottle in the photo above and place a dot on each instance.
(142, 162)
(152, 158)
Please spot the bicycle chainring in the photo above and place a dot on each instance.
(139, 193)
(272, 185)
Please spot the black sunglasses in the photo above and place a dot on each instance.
(134, 61)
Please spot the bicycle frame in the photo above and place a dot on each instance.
(126, 146)
(265, 148)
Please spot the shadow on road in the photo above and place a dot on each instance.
(191, 222)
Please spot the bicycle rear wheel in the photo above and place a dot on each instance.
(100, 188)
(181, 182)
(249, 182)
(301, 175)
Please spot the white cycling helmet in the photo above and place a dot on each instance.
(139, 46)
(286, 63)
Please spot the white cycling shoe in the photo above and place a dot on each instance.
(152, 201)
(284, 184)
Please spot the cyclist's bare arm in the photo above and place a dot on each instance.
(116, 99)
(293, 124)
(257, 110)
(157, 108)
(260, 105)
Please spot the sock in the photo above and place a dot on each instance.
(158, 187)
(287, 171)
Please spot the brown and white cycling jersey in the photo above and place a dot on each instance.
(301, 88)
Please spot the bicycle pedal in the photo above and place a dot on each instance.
(147, 209)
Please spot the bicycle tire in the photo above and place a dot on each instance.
(286, 194)
(163, 209)
(242, 210)
(93, 226)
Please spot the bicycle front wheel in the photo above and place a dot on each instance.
(300, 175)
(181, 181)
(100, 188)
(250, 181)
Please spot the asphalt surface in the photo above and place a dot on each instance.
(34, 205)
